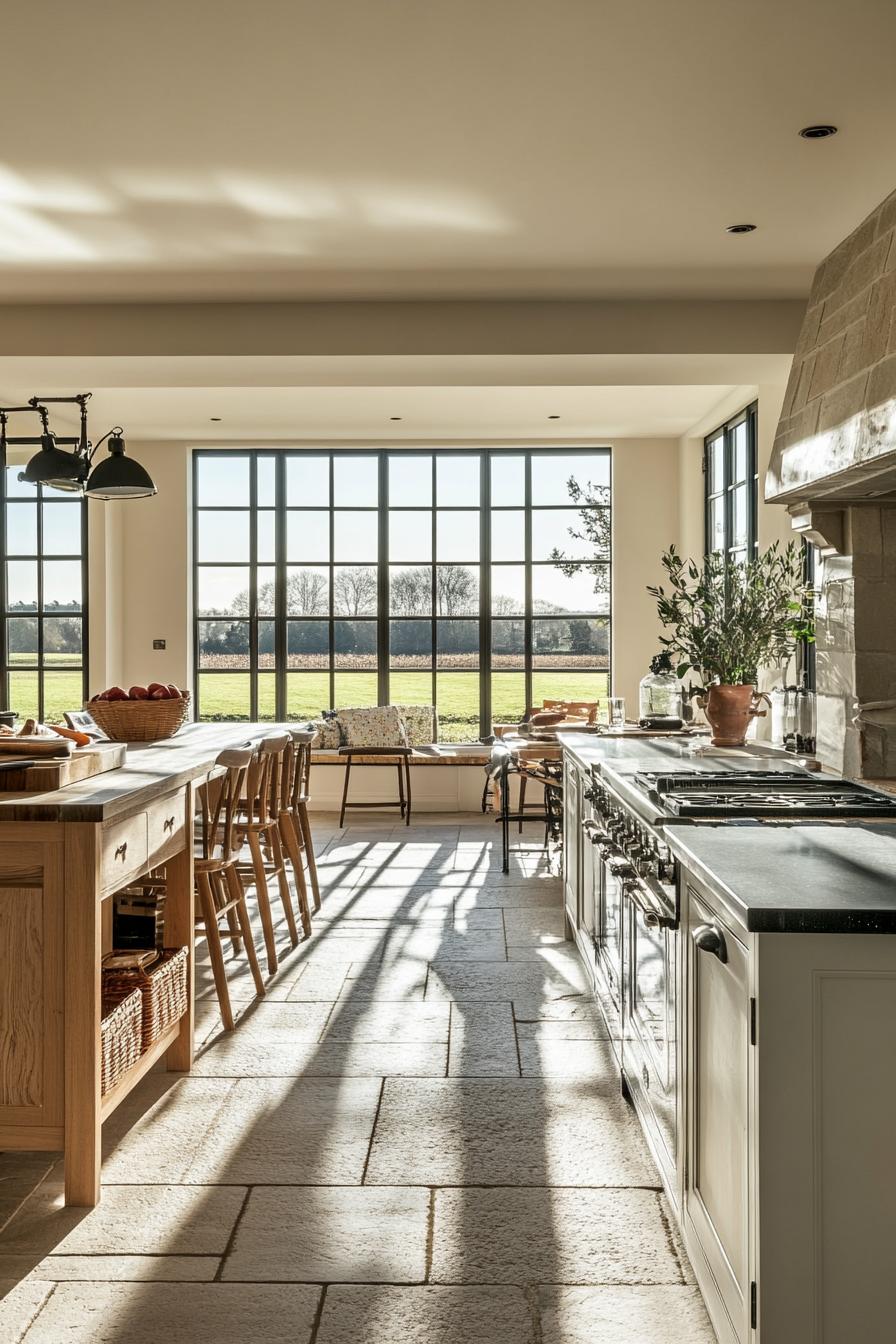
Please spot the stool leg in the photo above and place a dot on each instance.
(215, 951)
(237, 893)
(291, 844)
(264, 900)
(522, 801)
(348, 770)
(305, 824)
(400, 788)
(407, 789)
(233, 929)
(273, 834)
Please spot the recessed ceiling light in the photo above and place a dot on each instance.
(820, 132)
(553, 417)
(394, 417)
(215, 419)
(741, 228)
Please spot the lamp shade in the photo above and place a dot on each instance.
(118, 476)
(54, 467)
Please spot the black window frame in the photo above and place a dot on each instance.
(730, 483)
(383, 616)
(42, 497)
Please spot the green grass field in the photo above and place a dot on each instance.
(225, 695)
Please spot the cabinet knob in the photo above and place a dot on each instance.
(708, 938)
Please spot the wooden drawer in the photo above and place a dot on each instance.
(124, 851)
(166, 824)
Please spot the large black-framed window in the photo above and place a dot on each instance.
(43, 593)
(477, 580)
(732, 486)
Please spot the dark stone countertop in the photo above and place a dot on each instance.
(816, 877)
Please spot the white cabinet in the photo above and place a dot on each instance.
(716, 1203)
(573, 803)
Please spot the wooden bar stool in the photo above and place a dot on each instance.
(401, 757)
(299, 798)
(291, 830)
(259, 825)
(218, 887)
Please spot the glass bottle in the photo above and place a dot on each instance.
(659, 695)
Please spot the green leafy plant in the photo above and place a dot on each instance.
(725, 619)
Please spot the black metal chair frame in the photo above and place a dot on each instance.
(401, 756)
(502, 765)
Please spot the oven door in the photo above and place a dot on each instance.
(608, 942)
(650, 1046)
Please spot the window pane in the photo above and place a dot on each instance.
(265, 482)
(508, 534)
(552, 473)
(21, 529)
(267, 698)
(508, 697)
(62, 529)
(508, 643)
(224, 645)
(266, 590)
(354, 645)
(410, 481)
(355, 689)
(410, 534)
(307, 644)
(457, 535)
(267, 644)
(307, 592)
(308, 481)
(224, 695)
(355, 536)
(23, 693)
(62, 584)
(21, 585)
(410, 644)
(716, 464)
(355, 481)
(63, 641)
(457, 480)
(457, 590)
(717, 524)
(577, 534)
(223, 480)
(223, 537)
(355, 591)
(457, 644)
(308, 536)
(223, 591)
(265, 536)
(410, 590)
(457, 703)
(585, 687)
(508, 590)
(508, 480)
(576, 642)
(740, 452)
(410, 688)
(62, 691)
(739, 515)
(552, 590)
(21, 637)
(307, 695)
(16, 489)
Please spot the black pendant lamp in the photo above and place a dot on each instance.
(54, 467)
(118, 476)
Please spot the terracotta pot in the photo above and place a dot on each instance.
(730, 710)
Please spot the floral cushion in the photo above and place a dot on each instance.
(379, 726)
(420, 724)
(328, 735)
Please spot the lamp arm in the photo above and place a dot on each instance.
(116, 429)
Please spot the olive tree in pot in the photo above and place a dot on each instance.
(725, 620)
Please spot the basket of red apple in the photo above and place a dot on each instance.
(141, 714)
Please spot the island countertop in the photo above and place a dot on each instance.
(151, 769)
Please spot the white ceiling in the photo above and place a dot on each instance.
(450, 148)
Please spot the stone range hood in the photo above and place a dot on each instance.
(833, 465)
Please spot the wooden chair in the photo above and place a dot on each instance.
(291, 833)
(219, 890)
(259, 826)
(298, 796)
(574, 709)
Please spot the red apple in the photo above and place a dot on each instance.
(160, 694)
(116, 693)
(174, 693)
(138, 693)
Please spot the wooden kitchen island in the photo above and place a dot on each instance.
(62, 857)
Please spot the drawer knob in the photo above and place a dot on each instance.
(168, 824)
(121, 850)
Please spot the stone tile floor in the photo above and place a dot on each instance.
(416, 1138)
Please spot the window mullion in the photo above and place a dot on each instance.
(485, 595)
(382, 581)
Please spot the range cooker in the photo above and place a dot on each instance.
(632, 906)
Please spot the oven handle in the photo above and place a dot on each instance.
(655, 916)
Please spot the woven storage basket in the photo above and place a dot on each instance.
(163, 985)
(121, 1032)
(139, 720)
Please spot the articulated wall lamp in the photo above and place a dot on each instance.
(116, 477)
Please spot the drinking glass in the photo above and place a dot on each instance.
(616, 711)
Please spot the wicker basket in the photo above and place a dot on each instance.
(162, 982)
(121, 1032)
(139, 720)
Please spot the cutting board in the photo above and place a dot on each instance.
(56, 772)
